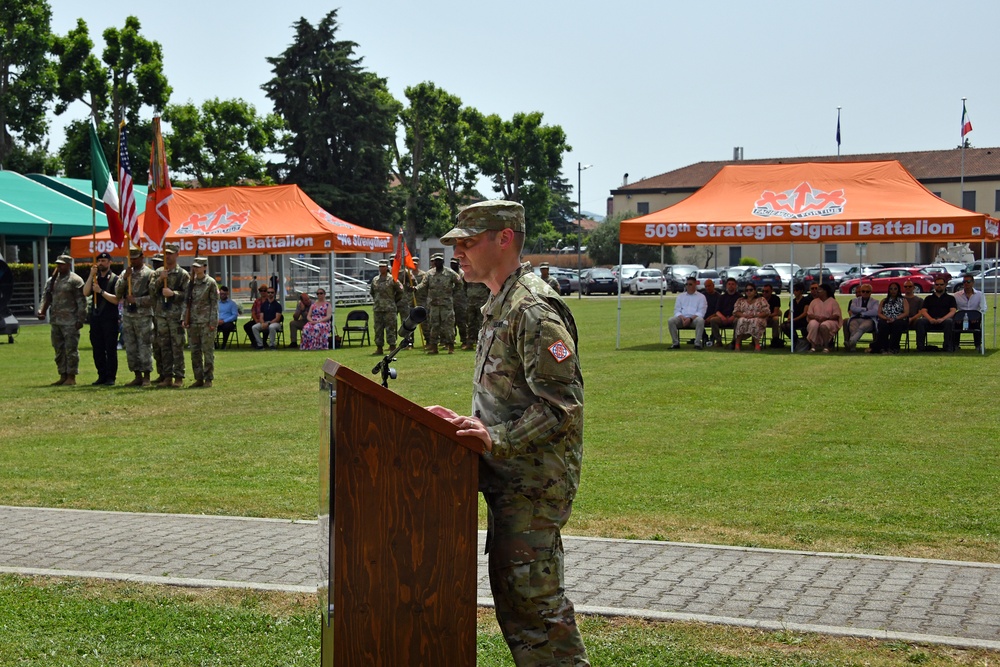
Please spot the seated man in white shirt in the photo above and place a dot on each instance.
(689, 313)
(971, 308)
(863, 312)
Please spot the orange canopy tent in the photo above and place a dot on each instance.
(810, 202)
(274, 219)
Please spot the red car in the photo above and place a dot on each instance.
(923, 280)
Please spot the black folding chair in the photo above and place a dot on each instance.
(356, 325)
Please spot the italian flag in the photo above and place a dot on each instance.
(100, 177)
(966, 123)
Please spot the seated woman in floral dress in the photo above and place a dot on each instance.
(316, 331)
(893, 321)
(751, 313)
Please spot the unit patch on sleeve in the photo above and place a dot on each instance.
(559, 351)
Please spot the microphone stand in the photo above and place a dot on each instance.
(383, 365)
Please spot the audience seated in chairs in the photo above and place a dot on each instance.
(301, 316)
(862, 317)
(318, 327)
(269, 322)
(893, 321)
(255, 314)
(689, 313)
(914, 304)
(774, 319)
(723, 316)
(794, 325)
(971, 305)
(229, 312)
(937, 315)
(824, 320)
(752, 313)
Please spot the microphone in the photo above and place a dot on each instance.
(416, 316)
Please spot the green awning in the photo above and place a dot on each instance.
(80, 190)
(31, 210)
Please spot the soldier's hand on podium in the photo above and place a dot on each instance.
(466, 425)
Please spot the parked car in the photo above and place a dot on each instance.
(560, 277)
(574, 280)
(598, 280)
(838, 269)
(647, 281)
(733, 272)
(815, 275)
(701, 275)
(863, 270)
(786, 271)
(987, 282)
(676, 275)
(627, 271)
(922, 280)
(954, 269)
(760, 276)
(830, 275)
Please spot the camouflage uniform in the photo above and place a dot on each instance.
(67, 313)
(203, 316)
(137, 322)
(169, 315)
(461, 309)
(550, 280)
(439, 288)
(385, 291)
(528, 391)
(477, 293)
(407, 298)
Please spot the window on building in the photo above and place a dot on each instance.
(735, 255)
(642, 207)
(996, 203)
(969, 200)
(830, 252)
(936, 194)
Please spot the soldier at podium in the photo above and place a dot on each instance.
(527, 408)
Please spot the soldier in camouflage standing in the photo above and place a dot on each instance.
(64, 299)
(461, 308)
(543, 269)
(171, 283)
(477, 294)
(385, 290)
(439, 286)
(135, 289)
(201, 319)
(407, 299)
(155, 264)
(527, 408)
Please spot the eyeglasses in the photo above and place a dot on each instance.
(321, 293)
(270, 293)
(866, 291)
(967, 281)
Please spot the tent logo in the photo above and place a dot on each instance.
(331, 220)
(803, 201)
(221, 221)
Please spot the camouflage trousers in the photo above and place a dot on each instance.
(202, 351)
(441, 325)
(526, 568)
(475, 323)
(138, 334)
(170, 334)
(385, 327)
(462, 322)
(154, 340)
(66, 342)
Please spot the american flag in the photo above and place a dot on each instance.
(126, 194)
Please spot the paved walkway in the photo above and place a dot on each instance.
(909, 599)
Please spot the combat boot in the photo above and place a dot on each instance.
(61, 380)
(145, 379)
(468, 346)
(160, 379)
(432, 349)
(164, 381)
(451, 349)
(196, 383)
(208, 383)
(178, 382)
(136, 382)
(378, 351)
(70, 380)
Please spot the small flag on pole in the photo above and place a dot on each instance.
(402, 257)
(156, 219)
(838, 127)
(100, 178)
(966, 123)
(126, 193)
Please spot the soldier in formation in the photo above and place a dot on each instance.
(527, 409)
(543, 269)
(461, 308)
(439, 286)
(67, 309)
(135, 290)
(409, 279)
(201, 319)
(104, 319)
(477, 294)
(170, 285)
(386, 292)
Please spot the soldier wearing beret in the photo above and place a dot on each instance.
(171, 284)
(527, 408)
(104, 319)
(385, 291)
(67, 307)
(135, 290)
(201, 317)
(439, 287)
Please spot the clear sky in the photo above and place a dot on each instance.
(640, 86)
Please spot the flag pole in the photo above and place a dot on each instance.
(838, 134)
(961, 182)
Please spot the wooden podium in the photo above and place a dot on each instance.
(398, 530)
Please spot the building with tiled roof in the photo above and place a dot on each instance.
(939, 171)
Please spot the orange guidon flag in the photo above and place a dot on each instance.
(402, 257)
(156, 220)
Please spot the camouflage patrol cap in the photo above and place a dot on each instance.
(64, 259)
(200, 262)
(483, 216)
(543, 265)
(170, 248)
(383, 262)
(436, 256)
(134, 252)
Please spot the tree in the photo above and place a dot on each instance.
(27, 76)
(603, 245)
(122, 85)
(222, 143)
(521, 156)
(341, 122)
